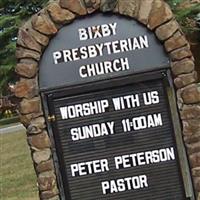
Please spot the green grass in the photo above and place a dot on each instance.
(17, 176)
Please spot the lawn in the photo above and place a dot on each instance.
(17, 178)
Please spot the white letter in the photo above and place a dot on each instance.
(92, 51)
(111, 127)
(116, 102)
(81, 72)
(104, 104)
(74, 134)
(82, 34)
(118, 161)
(143, 181)
(170, 153)
(105, 30)
(63, 111)
(155, 97)
(113, 27)
(158, 119)
(56, 55)
(67, 55)
(105, 186)
(74, 169)
(100, 49)
(144, 41)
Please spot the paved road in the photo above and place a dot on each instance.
(12, 129)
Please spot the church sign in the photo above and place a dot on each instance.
(96, 48)
(117, 142)
(107, 125)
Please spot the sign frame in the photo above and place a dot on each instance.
(165, 74)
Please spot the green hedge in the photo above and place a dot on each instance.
(9, 121)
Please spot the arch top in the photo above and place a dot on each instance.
(35, 34)
(97, 47)
(155, 15)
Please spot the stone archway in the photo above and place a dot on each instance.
(34, 37)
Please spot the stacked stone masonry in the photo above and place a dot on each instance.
(33, 38)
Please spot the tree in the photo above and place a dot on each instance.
(12, 14)
(187, 13)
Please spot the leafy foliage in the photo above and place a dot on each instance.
(12, 14)
(173, 3)
(186, 13)
(186, 18)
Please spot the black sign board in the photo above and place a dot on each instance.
(100, 47)
(117, 142)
